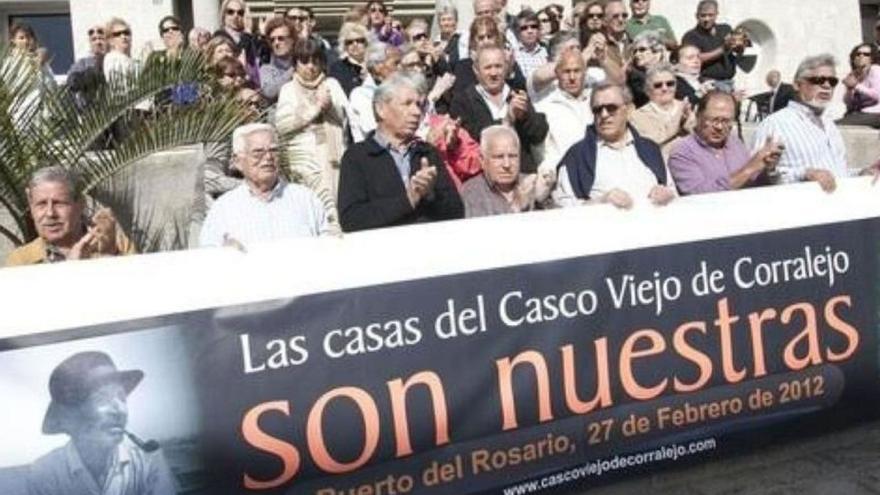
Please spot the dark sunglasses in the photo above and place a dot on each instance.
(298, 18)
(611, 108)
(864, 54)
(124, 32)
(376, 8)
(420, 37)
(622, 15)
(660, 84)
(239, 12)
(168, 29)
(94, 31)
(526, 27)
(595, 16)
(360, 41)
(821, 80)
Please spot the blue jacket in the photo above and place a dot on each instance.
(580, 161)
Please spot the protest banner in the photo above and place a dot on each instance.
(523, 354)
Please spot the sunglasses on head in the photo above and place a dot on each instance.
(660, 84)
(168, 29)
(95, 31)
(821, 80)
(611, 108)
(360, 41)
(124, 32)
(238, 12)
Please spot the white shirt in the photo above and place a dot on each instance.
(810, 142)
(361, 116)
(498, 112)
(615, 169)
(291, 211)
(595, 75)
(568, 118)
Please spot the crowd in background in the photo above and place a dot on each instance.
(389, 125)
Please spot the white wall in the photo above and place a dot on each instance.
(143, 15)
(796, 28)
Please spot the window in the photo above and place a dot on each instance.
(54, 34)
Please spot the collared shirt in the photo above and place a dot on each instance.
(273, 75)
(700, 168)
(810, 142)
(290, 211)
(361, 116)
(132, 472)
(724, 67)
(616, 168)
(655, 23)
(402, 157)
(568, 119)
(529, 60)
(498, 112)
(38, 251)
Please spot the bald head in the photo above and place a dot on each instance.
(570, 72)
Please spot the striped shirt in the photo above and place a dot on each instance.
(810, 142)
(529, 60)
(291, 211)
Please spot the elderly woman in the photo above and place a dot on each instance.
(862, 95)
(281, 34)
(382, 60)
(646, 51)
(311, 117)
(350, 69)
(218, 48)
(663, 119)
(448, 37)
(418, 35)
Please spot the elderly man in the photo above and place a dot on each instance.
(496, 10)
(615, 31)
(642, 20)
(89, 404)
(713, 158)
(568, 107)
(814, 147)
(597, 65)
(612, 164)
(280, 33)
(492, 101)
(393, 178)
(64, 233)
(780, 92)
(718, 47)
(264, 207)
(382, 60)
(85, 75)
(501, 189)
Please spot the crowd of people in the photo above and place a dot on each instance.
(516, 112)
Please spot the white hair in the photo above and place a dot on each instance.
(240, 135)
(492, 132)
(57, 174)
(812, 63)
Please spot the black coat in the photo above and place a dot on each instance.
(476, 116)
(784, 94)
(347, 73)
(371, 194)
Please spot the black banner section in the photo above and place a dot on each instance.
(516, 380)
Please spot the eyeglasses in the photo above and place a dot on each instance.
(611, 108)
(360, 41)
(638, 1)
(260, 153)
(621, 15)
(124, 32)
(863, 54)
(239, 12)
(668, 84)
(95, 31)
(527, 27)
(821, 80)
(168, 29)
(298, 18)
(420, 36)
(595, 16)
(720, 122)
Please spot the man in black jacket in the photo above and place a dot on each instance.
(392, 178)
(493, 102)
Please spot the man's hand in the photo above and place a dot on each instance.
(770, 153)
(618, 198)
(661, 195)
(850, 81)
(823, 177)
(519, 106)
(443, 84)
(421, 183)
(82, 249)
(544, 185)
(450, 133)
